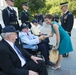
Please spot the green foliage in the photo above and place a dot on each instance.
(72, 7)
(35, 6)
(46, 6)
(18, 5)
(55, 6)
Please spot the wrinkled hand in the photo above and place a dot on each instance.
(55, 47)
(32, 73)
(41, 37)
(41, 33)
(35, 59)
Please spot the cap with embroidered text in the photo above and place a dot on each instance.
(24, 26)
(34, 21)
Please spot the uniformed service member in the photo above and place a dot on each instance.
(9, 15)
(25, 14)
(67, 20)
(0, 28)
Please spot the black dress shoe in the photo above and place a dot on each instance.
(50, 64)
(66, 55)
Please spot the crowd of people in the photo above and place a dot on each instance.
(15, 59)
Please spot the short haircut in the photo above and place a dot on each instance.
(49, 16)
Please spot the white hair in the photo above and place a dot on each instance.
(4, 35)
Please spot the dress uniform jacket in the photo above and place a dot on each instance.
(67, 21)
(0, 28)
(10, 17)
(25, 18)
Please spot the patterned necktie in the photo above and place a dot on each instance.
(19, 52)
(29, 37)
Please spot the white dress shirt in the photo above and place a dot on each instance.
(23, 62)
(11, 7)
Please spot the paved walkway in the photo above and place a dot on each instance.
(68, 66)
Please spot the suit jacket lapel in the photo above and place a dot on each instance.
(10, 48)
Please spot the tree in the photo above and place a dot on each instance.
(36, 5)
(46, 6)
(18, 4)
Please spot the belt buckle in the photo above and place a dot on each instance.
(16, 22)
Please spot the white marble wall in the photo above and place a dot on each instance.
(2, 6)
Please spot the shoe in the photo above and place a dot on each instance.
(66, 55)
(50, 64)
(55, 68)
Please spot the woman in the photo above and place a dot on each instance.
(63, 42)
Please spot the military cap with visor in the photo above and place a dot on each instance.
(63, 4)
(10, 0)
(25, 4)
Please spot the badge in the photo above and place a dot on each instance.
(16, 22)
(65, 17)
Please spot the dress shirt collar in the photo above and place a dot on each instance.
(23, 32)
(10, 43)
(25, 10)
(65, 12)
(10, 7)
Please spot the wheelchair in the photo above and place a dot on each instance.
(33, 51)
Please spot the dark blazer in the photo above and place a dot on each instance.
(2, 73)
(67, 21)
(9, 61)
(9, 17)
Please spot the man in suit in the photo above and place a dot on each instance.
(67, 20)
(25, 15)
(31, 41)
(9, 15)
(16, 61)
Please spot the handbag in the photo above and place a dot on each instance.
(53, 55)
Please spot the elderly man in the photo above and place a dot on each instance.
(9, 15)
(36, 28)
(28, 38)
(16, 61)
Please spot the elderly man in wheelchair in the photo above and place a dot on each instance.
(31, 42)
